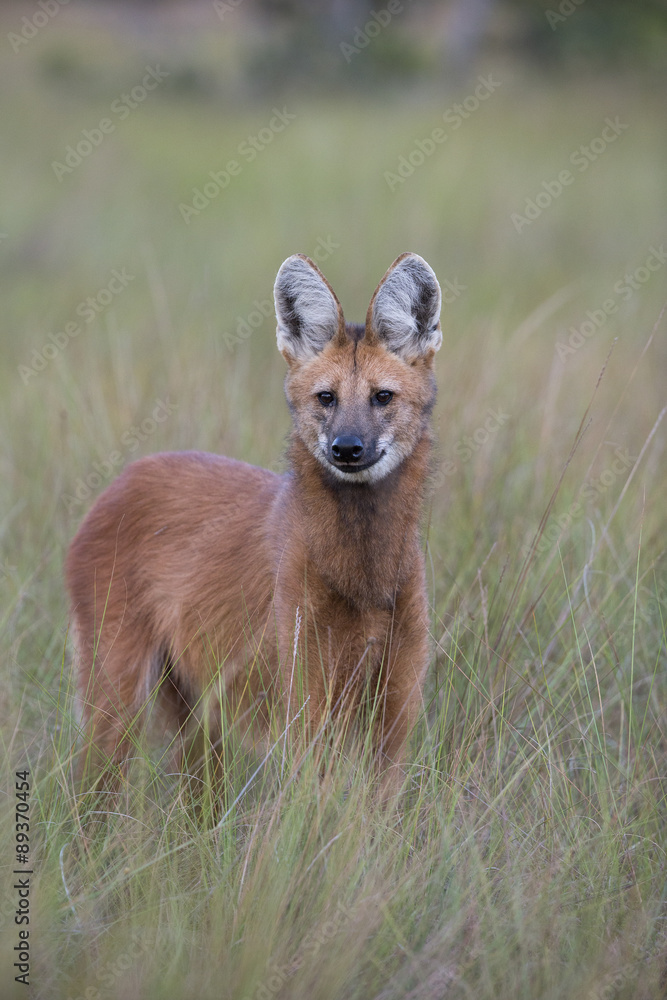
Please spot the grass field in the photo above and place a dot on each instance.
(526, 856)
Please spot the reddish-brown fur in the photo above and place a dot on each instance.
(189, 573)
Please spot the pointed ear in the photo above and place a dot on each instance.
(404, 313)
(308, 313)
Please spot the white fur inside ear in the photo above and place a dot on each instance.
(406, 308)
(307, 311)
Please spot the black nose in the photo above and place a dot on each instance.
(347, 448)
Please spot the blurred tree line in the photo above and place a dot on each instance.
(424, 37)
(321, 42)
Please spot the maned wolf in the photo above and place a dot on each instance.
(197, 579)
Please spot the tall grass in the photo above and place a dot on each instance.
(525, 856)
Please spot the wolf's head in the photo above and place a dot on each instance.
(360, 396)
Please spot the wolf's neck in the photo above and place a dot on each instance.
(362, 538)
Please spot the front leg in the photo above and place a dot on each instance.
(323, 662)
(402, 702)
(402, 682)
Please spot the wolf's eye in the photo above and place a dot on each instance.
(383, 397)
(326, 398)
